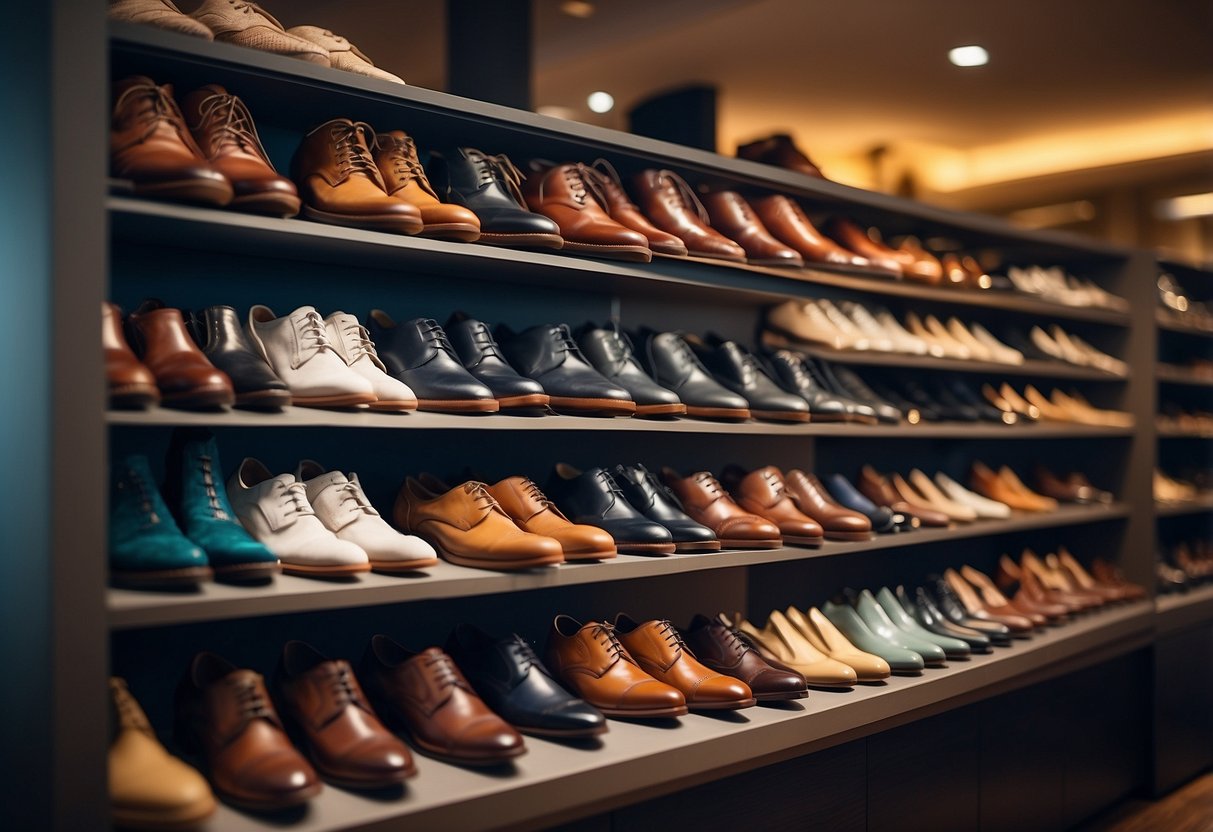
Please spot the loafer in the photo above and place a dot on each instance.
(593, 497)
(548, 354)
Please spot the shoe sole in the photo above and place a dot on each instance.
(645, 548)
(737, 414)
(339, 400)
(556, 733)
(246, 572)
(460, 760)
(198, 399)
(390, 406)
(661, 251)
(553, 241)
(530, 400)
(368, 785)
(459, 405)
(722, 706)
(198, 191)
(806, 542)
(297, 798)
(391, 567)
(263, 399)
(646, 410)
(777, 263)
(781, 415)
(274, 205)
(128, 818)
(372, 222)
(133, 397)
(585, 406)
(723, 258)
(644, 713)
(632, 254)
(338, 571)
(500, 565)
(781, 696)
(578, 556)
(770, 543)
(457, 231)
(848, 535)
(163, 577)
(697, 546)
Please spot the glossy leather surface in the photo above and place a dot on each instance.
(489, 186)
(673, 364)
(813, 499)
(647, 495)
(404, 178)
(884, 520)
(878, 621)
(856, 239)
(877, 488)
(953, 648)
(734, 367)
(594, 498)
(733, 217)
(787, 222)
(827, 638)
(184, 375)
(418, 353)
(796, 375)
(128, 382)
(782, 641)
(217, 331)
(947, 602)
(1073, 488)
(623, 211)
(844, 381)
(764, 493)
(779, 150)
(609, 350)
(705, 501)
(548, 354)
(923, 608)
(851, 625)
(670, 204)
(481, 356)
(720, 648)
(659, 650)
(564, 194)
(533, 512)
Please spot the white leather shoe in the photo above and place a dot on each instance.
(881, 339)
(276, 511)
(345, 511)
(247, 24)
(353, 343)
(343, 54)
(161, 13)
(859, 339)
(909, 342)
(805, 322)
(984, 506)
(1005, 354)
(297, 347)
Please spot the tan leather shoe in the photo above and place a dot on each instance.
(786, 221)
(1022, 406)
(783, 642)
(533, 512)
(814, 500)
(622, 210)
(989, 484)
(930, 495)
(592, 663)
(804, 322)
(925, 267)
(670, 204)
(247, 24)
(404, 178)
(1020, 625)
(659, 650)
(1008, 476)
(936, 348)
(128, 382)
(877, 488)
(866, 243)
(160, 13)
(565, 195)
(823, 635)
(733, 217)
(995, 600)
(184, 375)
(1057, 581)
(467, 527)
(706, 502)
(343, 54)
(764, 493)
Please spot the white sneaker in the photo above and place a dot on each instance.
(353, 343)
(160, 13)
(247, 24)
(343, 54)
(276, 511)
(297, 348)
(343, 508)
(985, 507)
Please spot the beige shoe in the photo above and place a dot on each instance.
(342, 53)
(953, 347)
(822, 634)
(935, 347)
(806, 323)
(1048, 410)
(851, 330)
(976, 348)
(247, 24)
(781, 641)
(1018, 403)
(1003, 353)
(934, 498)
(161, 13)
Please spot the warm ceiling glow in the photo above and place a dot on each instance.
(577, 8)
(600, 102)
(969, 56)
(1185, 207)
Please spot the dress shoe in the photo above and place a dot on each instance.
(1074, 488)
(738, 370)
(594, 498)
(151, 146)
(1020, 625)
(225, 715)
(183, 374)
(145, 546)
(404, 178)
(1057, 584)
(418, 353)
(733, 217)
(984, 508)
(940, 344)
(878, 621)
(511, 680)
(159, 13)
(217, 332)
(782, 641)
(1111, 575)
(884, 520)
(1038, 612)
(656, 502)
(920, 490)
(721, 649)
(953, 648)
(901, 660)
(563, 194)
(622, 210)
(343, 736)
(805, 323)
(1027, 587)
(609, 350)
(247, 24)
(276, 511)
(343, 55)
(823, 635)
(673, 364)
(341, 185)
(985, 482)
(533, 512)
(1116, 590)
(814, 500)
(658, 649)
(224, 131)
(425, 696)
(129, 384)
(148, 787)
(882, 336)
(924, 266)
(843, 381)
(352, 341)
(467, 526)
(788, 223)
(877, 488)
(929, 408)
(670, 204)
(764, 493)
(548, 354)
(490, 187)
(298, 349)
(796, 374)
(592, 663)
(481, 356)
(914, 411)
(706, 502)
(779, 150)
(986, 411)
(852, 237)
(1012, 481)
(923, 609)
(949, 604)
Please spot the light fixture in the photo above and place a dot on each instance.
(1187, 207)
(600, 102)
(577, 8)
(969, 56)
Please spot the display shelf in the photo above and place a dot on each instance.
(1181, 610)
(1202, 503)
(1182, 433)
(1171, 374)
(1169, 324)
(554, 783)
(212, 601)
(1040, 369)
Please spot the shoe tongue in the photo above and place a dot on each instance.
(317, 484)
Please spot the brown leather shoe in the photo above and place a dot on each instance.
(854, 238)
(763, 492)
(467, 527)
(733, 217)
(1019, 625)
(996, 487)
(590, 661)
(151, 146)
(720, 648)
(226, 717)
(996, 601)
(565, 195)
(344, 738)
(425, 696)
(1073, 488)
(623, 211)
(1108, 574)
(788, 223)
(128, 382)
(812, 498)
(184, 375)
(877, 488)
(224, 131)
(670, 204)
(660, 651)
(533, 512)
(706, 502)
(404, 179)
(340, 183)
(924, 266)
(779, 150)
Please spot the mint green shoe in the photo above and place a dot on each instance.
(146, 549)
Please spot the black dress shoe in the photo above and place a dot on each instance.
(843, 380)
(481, 356)
(946, 602)
(734, 367)
(884, 519)
(594, 497)
(654, 501)
(928, 408)
(217, 332)
(965, 395)
(610, 352)
(796, 374)
(512, 681)
(928, 615)
(489, 186)
(418, 353)
(673, 364)
(913, 412)
(548, 354)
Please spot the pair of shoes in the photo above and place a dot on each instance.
(1063, 346)
(1006, 487)
(1055, 285)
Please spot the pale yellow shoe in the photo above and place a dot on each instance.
(823, 635)
(781, 641)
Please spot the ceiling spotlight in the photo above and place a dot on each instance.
(577, 8)
(969, 56)
(600, 102)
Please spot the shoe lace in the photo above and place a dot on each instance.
(678, 194)
(352, 498)
(343, 688)
(436, 336)
(445, 674)
(498, 169)
(132, 481)
(227, 122)
(252, 700)
(801, 375)
(749, 369)
(604, 634)
(294, 498)
(353, 156)
(607, 480)
(312, 335)
(480, 494)
(606, 179)
(402, 153)
(358, 338)
(672, 637)
(253, 8)
(205, 465)
(161, 109)
(775, 483)
(524, 654)
(711, 484)
(130, 715)
(618, 347)
(564, 340)
(533, 491)
(484, 341)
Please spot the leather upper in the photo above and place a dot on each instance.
(733, 217)
(418, 353)
(670, 204)
(856, 239)
(884, 519)
(721, 649)
(548, 354)
(217, 331)
(159, 336)
(352, 341)
(481, 356)
(674, 365)
(879, 490)
(404, 178)
(735, 368)
(123, 371)
(490, 187)
(778, 149)
(593, 497)
(565, 195)
(812, 498)
(655, 501)
(706, 502)
(142, 534)
(623, 211)
(298, 348)
(533, 512)
(787, 222)
(659, 650)
(792, 374)
(763, 492)
(610, 352)
(247, 24)
(336, 174)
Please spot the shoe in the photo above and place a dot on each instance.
(490, 187)
(949, 604)
(129, 384)
(511, 680)
(906, 341)
(738, 370)
(159, 13)
(917, 409)
(418, 353)
(707, 503)
(533, 512)
(877, 488)
(1020, 625)
(984, 508)
(343, 737)
(148, 787)
(183, 375)
(670, 204)
(787, 223)
(1114, 590)
(548, 354)
(813, 500)
(882, 336)
(920, 490)
(937, 346)
(805, 322)
(733, 217)
(1074, 488)
(853, 238)
(720, 648)
(1015, 484)
(225, 133)
(1003, 353)
(1026, 587)
(404, 178)
(1111, 575)
(594, 498)
(340, 182)
(481, 356)
(658, 649)
(217, 332)
(924, 267)
(610, 352)
(779, 150)
(856, 322)
(298, 349)
(901, 660)
(425, 696)
(226, 716)
(563, 194)
(824, 636)
(590, 661)
(988, 484)
(247, 24)
(671, 362)
(276, 511)
(781, 641)
(151, 147)
(603, 177)
(923, 609)
(953, 648)
(843, 381)
(796, 374)
(959, 392)
(762, 492)
(884, 520)
(343, 54)
(647, 495)
(351, 340)
(1040, 614)
(878, 621)
(467, 527)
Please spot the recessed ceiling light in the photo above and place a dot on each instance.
(600, 102)
(577, 8)
(969, 56)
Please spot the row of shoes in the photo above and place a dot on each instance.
(1176, 304)
(1058, 286)
(1176, 417)
(1197, 369)
(1184, 565)
(1185, 488)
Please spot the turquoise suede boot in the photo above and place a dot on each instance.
(145, 546)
